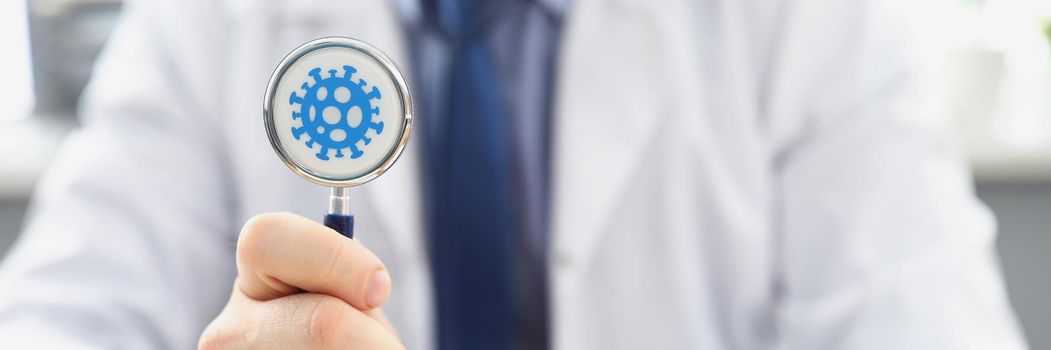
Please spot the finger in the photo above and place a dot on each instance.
(300, 321)
(281, 254)
(378, 315)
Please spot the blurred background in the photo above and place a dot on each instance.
(995, 56)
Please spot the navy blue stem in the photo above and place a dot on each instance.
(344, 224)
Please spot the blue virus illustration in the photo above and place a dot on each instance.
(335, 113)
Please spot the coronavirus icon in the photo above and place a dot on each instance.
(335, 113)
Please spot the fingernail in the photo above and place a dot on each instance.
(378, 289)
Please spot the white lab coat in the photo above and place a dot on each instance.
(727, 175)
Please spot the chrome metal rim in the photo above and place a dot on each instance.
(392, 71)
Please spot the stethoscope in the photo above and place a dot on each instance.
(338, 113)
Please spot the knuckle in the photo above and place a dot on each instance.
(337, 263)
(363, 259)
(255, 232)
(326, 323)
(215, 338)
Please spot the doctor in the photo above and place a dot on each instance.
(722, 174)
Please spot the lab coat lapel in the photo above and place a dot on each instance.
(606, 111)
(395, 195)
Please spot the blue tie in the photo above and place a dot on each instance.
(471, 201)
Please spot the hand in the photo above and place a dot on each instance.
(302, 286)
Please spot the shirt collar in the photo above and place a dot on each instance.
(409, 10)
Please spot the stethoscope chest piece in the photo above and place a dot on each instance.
(338, 112)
